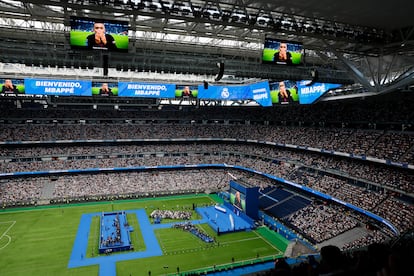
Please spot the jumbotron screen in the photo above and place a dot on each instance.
(284, 92)
(282, 52)
(12, 86)
(238, 199)
(89, 33)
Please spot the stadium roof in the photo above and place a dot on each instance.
(388, 15)
(370, 43)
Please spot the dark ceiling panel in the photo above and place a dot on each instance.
(388, 15)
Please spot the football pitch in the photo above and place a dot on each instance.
(43, 241)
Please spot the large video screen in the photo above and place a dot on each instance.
(282, 52)
(189, 91)
(284, 92)
(88, 33)
(104, 89)
(238, 199)
(12, 86)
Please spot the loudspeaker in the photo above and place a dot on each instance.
(220, 72)
(105, 64)
(315, 77)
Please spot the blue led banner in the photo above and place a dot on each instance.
(309, 94)
(58, 87)
(261, 93)
(224, 92)
(146, 90)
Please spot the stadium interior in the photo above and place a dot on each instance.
(335, 174)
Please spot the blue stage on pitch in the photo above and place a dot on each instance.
(114, 233)
(220, 219)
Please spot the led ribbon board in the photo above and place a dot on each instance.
(309, 94)
(58, 87)
(259, 92)
(146, 90)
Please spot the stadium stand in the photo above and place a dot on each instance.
(325, 170)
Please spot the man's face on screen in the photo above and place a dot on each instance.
(8, 83)
(283, 47)
(99, 28)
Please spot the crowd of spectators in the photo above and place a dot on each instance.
(171, 214)
(374, 236)
(385, 139)
(340, 188)
(400, 213)
(189, 227)
(141, 183)
(322, 222)
(90, 185)
(20, 190)
(394, 146)
(260, 157)
(371, 193)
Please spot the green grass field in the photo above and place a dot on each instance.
(39, 241)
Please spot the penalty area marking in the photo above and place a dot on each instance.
(4, 235)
